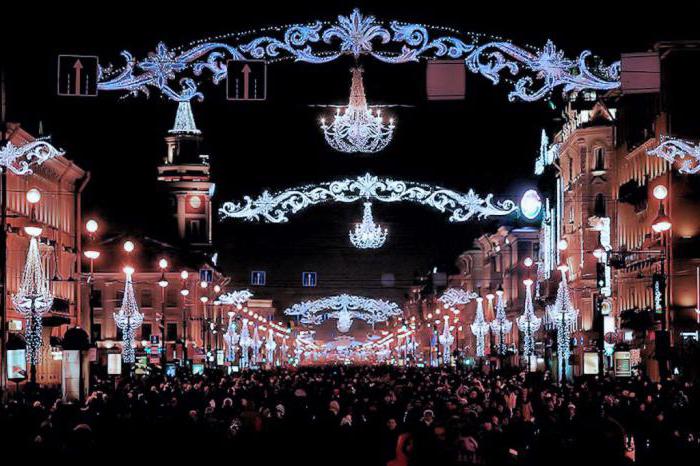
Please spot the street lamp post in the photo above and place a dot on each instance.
(163, 284)
(184, 291)
(662, 225)
(92, 254)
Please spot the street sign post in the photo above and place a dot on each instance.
(77, 75)
(246, 80)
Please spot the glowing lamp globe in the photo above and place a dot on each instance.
(91, 226)
(660, 192)
(33, 230)
(184, 274)
(92, 255)
(128, 246)
(528, 262)
(33, 196)
(128, 270)
(163, 264)
(184, 292)
(562, 245)
(531, 204)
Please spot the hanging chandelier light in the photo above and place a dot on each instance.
(564, 318)
(245, 342)
(231, 338)
(480, 328)
(446, 340)
(270, 347)
(358, 128)
(368, 235)
(128, 319)
(528, 322)
(501, 326)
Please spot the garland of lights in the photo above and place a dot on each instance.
(456, 296)
(128, 319)
(356, 129)
(564, 318)
(368, 235)
(344, 308)
(480, 328)
(528, 322)
(33, 300)
(19, 159)
(446, 340)
(674, 149)
(501, 326)
(535, 73)
(274, 208)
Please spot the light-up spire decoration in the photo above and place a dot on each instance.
(270, 347)
(256, 344)
(446, 340)
(245, 343)
(184, 120)
(501, 326)
(357, 128)
(128, 319)
(19, 159)
(528, 322)
(564, 318)
(34, 298)
(480, 328)
(368, 235)
(231, 338)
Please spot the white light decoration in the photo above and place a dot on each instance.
(531, 204)
(19, 159)
(446, 340)
(564, 318)
(345, 308)
(678, 150)
(602, 225)
(456, 296)
(270, 347)
(33, 299)
(236, 298)
(368, 235)
(501, 326)
(129, 318)
(528, 322)
(245, 342)
(274, 208)
(533, 72)
(256, 345)
(231, 338)
(480, 328)
(356, 128)
(184, 120)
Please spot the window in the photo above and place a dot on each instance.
(171, 332)
(119, 297)
(146, 297)
(96, 332)
(194, 229)
(146, 331)
(120, 334)
(599, 154)
(257, 278)
(582, 156)
(308, 279)
(599, 207)
(172, 297)
(96, 298)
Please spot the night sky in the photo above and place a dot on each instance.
(483, 142)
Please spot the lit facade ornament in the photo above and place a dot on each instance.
(345, 308)
(534, 73)
(446, 340)
(128, 319)
(19, 159)
(236, 298)
(678, 150)
(529, 323)
(456, 296)
(184, 120)
(501, 326)
(564, 318)
(274, 208)
(480, 328)
(33, 299)
(368, 235)
(358, 128)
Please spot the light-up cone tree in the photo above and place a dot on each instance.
(245, 343)
(528, 323)
(34, 298)
(480, 328)
(270, 347)
(231, 338)
(129, 318)
(564, 318)
(446, 340)
(501, 326)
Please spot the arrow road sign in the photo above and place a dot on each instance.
(77, 75)
(246, 80)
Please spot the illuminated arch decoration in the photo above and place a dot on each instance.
(274, 208)
(532, 72)
(678, 150)
(19, 159)
(345, 308)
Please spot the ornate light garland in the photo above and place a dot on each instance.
(678, 150)
(344, 308)
(501, 326)
(456, 296)
(33, 300)
(536, 73)
(480, 328)
(128, 319)
(368, 235)
(564, 318)
(528, 322)
(18, 159)
(356, 128)
(274, 208)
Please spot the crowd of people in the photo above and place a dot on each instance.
(376, 415)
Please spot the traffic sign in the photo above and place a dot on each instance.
(206, 275)
(77, 75)
(246, 80)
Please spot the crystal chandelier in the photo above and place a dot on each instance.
(564, 318)
(231, 338)
(480, 328)
(358, 128)
(270, 347)
(368, 235)
(128, 319)
(501, 326)
(528, 322)
(446, 340)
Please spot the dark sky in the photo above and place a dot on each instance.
(483, 142)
